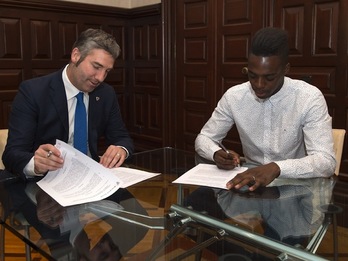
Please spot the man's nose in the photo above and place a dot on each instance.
(260, 82)
(101, 75)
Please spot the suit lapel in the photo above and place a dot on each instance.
(58, 97)
(93, 106)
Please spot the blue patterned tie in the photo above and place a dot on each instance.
(80, 128)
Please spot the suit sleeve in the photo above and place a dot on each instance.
(105, 120)
(22, 128)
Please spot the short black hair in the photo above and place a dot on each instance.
(271, 41)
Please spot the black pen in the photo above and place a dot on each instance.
(226, 150)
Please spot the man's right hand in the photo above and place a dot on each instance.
(47, 157)
(226, 160)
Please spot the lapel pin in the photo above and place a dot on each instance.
(97, 98)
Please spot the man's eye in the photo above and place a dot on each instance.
(270, 78)
(252, 76)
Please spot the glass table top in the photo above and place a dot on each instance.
(159, 220)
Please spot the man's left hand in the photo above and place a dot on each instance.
(113, 157)
(255, 177)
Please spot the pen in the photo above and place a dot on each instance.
(226, 150)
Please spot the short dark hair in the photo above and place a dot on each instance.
(271, 41)
(96, 39)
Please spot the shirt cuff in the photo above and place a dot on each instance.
(29, 169)
(125, 150)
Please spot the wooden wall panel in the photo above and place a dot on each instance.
(146, 89)
(41, 36)
(293, 20)
(325, 24)
(67, 35)
(195, 65)
(155, 44)
(10, 46)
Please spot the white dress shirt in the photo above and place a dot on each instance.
(291, 128)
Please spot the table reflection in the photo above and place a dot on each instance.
(288, 210)
(81, 232)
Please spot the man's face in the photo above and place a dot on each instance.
(266, 74)
(92, 71)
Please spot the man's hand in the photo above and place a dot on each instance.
(113, 157)
(47, 157)
(255, 177)
(226, 160)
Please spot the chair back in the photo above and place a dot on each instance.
(338, 136)
(3, 141)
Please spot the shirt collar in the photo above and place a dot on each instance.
(275, 97)
(282, 93)
(70, 90)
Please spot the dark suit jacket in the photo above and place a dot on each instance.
(40, 115)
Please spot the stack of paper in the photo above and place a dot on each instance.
(209, 175)
(83, 180)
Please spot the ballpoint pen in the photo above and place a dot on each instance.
(227, 151)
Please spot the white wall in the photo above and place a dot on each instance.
(118, 3)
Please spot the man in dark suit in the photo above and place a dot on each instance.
(44, 110)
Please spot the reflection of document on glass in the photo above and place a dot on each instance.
(208, 175)
(81, 179)
(132, 176)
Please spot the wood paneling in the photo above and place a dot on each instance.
(146, 88)
(194, 68)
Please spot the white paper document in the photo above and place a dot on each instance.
(83, 180)
(131, 176)
(208, 175)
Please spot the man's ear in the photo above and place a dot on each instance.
(75, 55)
(287, 68)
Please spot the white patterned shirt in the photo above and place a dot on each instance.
(291, 128)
